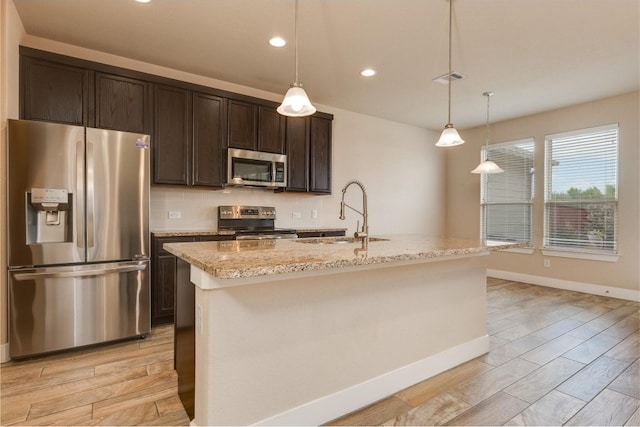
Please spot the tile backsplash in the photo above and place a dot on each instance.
(194, 209)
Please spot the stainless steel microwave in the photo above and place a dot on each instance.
(256, 168)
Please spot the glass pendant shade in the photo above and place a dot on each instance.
(487, 167)
(296, 103)
(449, 137)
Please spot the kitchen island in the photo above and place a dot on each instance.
(299, 332)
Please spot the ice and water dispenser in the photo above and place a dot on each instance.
(49, 216)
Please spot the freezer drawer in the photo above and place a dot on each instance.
(53, 309)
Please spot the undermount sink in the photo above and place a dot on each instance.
(338, 240)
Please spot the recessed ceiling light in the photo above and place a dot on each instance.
(368, 72)
(277, 42)
(143, 1)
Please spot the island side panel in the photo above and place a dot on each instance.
(268, 348)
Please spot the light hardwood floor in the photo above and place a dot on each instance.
(129, 383)
(557, 357)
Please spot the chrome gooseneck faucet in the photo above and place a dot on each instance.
(364, 233)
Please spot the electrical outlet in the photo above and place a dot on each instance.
(296, 215)
(175, 214)
(547, 263)
(314, 214)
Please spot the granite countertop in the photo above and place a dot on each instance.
(211, 232)
(189, 233)
(235, 259)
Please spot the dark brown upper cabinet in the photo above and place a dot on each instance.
(255, 127)
(123, 104)
(243, 125)
(55, 92)
(297, 151)
(320, 155)
(190, 125)
(209, 139)
(171, 138)
(271, 130)
(308, 149)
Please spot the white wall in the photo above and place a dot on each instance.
(463, 192)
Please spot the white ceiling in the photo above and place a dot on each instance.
(536, 55)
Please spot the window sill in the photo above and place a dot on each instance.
(581, 255)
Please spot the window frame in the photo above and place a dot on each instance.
(485, 153)
(577, 251)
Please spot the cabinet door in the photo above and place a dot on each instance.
(54, 92)
(209, 132)
(271, 130)
(243, 124)
(122, 104)
(297, 150)
(320, 156)
(163, 280)
(171, 139)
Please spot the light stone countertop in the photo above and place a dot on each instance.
(212, 232)
(189, 233)
(236, 259)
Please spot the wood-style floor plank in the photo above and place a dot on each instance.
(435, 412)
(496, 410)
(425, 390)
(483, 386)
(375, 414)
(629, 381)
(541, 381)
(554, 409)
(591, 380)
(609, 408)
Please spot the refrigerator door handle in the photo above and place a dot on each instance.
(79, 273)
(90, 195)
(80, 199)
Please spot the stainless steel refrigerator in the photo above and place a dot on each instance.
(78, 236)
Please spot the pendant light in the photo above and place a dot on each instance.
(296, 102)
(449, 136)
(487, 166)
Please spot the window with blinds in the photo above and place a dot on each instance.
(581, 191)
(506, 198)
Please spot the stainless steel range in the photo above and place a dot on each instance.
(252, 223)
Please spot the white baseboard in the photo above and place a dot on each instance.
(4, 353)
(589, 288)
(348, 400)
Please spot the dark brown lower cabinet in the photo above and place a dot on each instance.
(184, 343)
(163, 278)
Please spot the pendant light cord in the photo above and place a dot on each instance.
(295, 38)
(450, 69)
(488, 95)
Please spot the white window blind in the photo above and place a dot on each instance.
(581, 191)
(506, 198)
